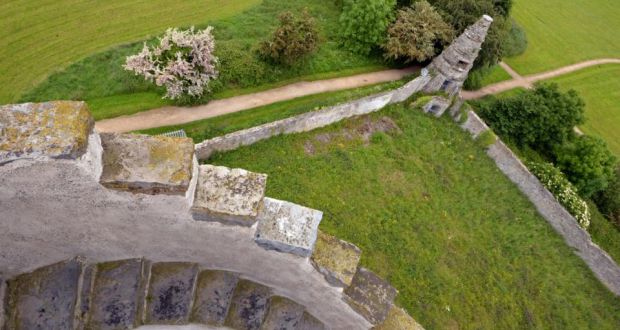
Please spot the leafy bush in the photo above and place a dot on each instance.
(516, 40)
(418, 33)
(541, 118)
(474, 79)
(587, 162)
(608, 200)
(364, 23)
(555, 181)
(183, 62)
(294, 39)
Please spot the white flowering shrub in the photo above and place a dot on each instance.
(555, 181)
(183, 62)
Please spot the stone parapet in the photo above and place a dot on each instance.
(371, 296)
(336, 259)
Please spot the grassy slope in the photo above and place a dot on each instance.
(38, 37)
(436, 217)
(494, 75)
(564, 32)
(212, 127)
(101, 79)
(600, 88)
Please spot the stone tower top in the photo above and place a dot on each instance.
(450, 69)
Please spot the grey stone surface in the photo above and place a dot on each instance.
(214, 293)
(228, 195)
(398, 319)
(309, 322)
(403, 93)
(455, 109)
(116, 293)
(283, 314)
(437, 106)
(249, 306)
(3, 303)
(449, 70)
(82, 310)
(287, 227)
(57, 129)
(171, 292)
(45, 298)
(371, 296)
(474, 125)
(147, 164)
(336, 259)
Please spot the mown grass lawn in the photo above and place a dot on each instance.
(100, 78)
(39, 37)
(564, 32)
(600, 89)
(434, 215)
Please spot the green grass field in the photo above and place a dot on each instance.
(39, 37)
(600, 89)
(435, 216)
(564, 32)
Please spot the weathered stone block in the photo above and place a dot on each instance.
(83, 306)
(398, 319)
(57, 129)
(336, 259)
(437, 106)
(116, 295)
(370, 295)
(147, 164)
(214, 293)
(287, 227)
(45, 298)
(309, 322)
(283, 314)
(171, 290)
(249, 306)
(228, 195)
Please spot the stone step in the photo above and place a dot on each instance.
(117, 295)
(45, 298)
(309, 322)
(249, 306)
(287, 227)
(214, 291)
(230, 196)
(147, 164)
(336, 259)
(371, 296)
(398, 319)
(171, 293)
(283, 314)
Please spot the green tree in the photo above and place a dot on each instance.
(364, 23)
(292, 40)
(588, 164)
(608, 200)
(418, 33)
(542, 118)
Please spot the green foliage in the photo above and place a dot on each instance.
(587, 162)
(608, 200)
(486, 139)
(418, 34)
(555, 181)
(541, 118)
(516, 40)
(433, 214)
(364, 23)
(295, 38)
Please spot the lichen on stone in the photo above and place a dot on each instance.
(336, 259)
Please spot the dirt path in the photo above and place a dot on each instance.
(179, 115)
(528, 81)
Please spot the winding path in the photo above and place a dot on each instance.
(166, 116)
(528, 81)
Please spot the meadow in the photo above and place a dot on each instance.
(435, 216)
(40, 37)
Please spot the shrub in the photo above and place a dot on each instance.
(417, 34)
(364, 23)
(183, 62)
(608, 200)
(587, 162)
(555, 181)
(292, 40)
(516, 40)
(474, 79)
(541, 118)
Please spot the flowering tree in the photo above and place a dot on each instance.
(183, 62)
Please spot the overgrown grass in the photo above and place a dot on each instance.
(566, 32)
(217, 126)
(435, 216)
(241, 70)
(39, 37)
(600, 89)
